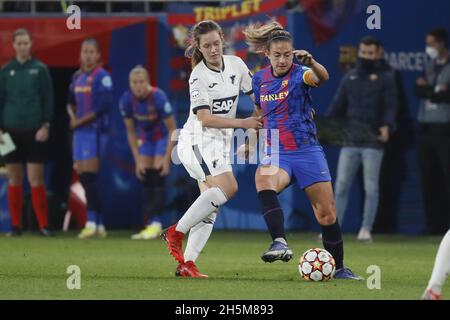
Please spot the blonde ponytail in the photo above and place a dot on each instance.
(260, 37)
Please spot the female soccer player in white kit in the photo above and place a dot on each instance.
(204, 142)
(441, 270)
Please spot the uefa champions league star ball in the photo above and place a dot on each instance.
(316, 264)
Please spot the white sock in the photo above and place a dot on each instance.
(198, 236)
(154, 223)
(207, 202)
(441, 268)
(90, 225)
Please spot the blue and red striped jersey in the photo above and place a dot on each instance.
(148, 114)
(91, 92)
(286, 105)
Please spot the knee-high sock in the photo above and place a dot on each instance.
(154, 195)
(272, 212)
(15, 204)
(198, 236)
(89, 182)
(206, 203)
(441, 268)
(40, 205)
(333, 243)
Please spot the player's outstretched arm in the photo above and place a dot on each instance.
(209, 120)
(249, 146)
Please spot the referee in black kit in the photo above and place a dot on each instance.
(26, 108)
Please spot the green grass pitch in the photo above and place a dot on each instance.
(32, 267)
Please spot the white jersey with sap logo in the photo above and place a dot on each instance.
(217, 91)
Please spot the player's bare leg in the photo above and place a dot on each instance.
(322, 201)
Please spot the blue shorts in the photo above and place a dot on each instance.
(305, 167)
(151, 148)
(88, 144)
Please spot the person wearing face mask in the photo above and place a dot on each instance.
(367, 99)
(434, 132)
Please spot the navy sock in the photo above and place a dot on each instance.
(100, 219)
(91, 216)
(333, 243)
(273, 215)
(153, 194)
(159, 192)
(89, 182)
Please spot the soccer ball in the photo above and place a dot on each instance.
(316, 264)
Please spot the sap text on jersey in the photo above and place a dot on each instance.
(274, 96)
(221, 106)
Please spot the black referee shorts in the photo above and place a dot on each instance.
(28, 150)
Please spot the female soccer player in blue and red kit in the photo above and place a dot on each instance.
(90, 100)
(282, 98)
(150, 123)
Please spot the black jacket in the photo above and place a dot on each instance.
(367, 98)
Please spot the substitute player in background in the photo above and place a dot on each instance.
(440, 272)
(26, 108)
(89, 103)
(205, 140)
(149, 121)
(282, 97)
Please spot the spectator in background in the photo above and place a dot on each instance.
(26, 109)
(347, 58)
(149, 120)
(90, 100)
(434, 132)
(367, 96)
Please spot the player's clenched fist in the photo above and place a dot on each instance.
(304, 57)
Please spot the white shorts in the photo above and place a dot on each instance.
(210, 158)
